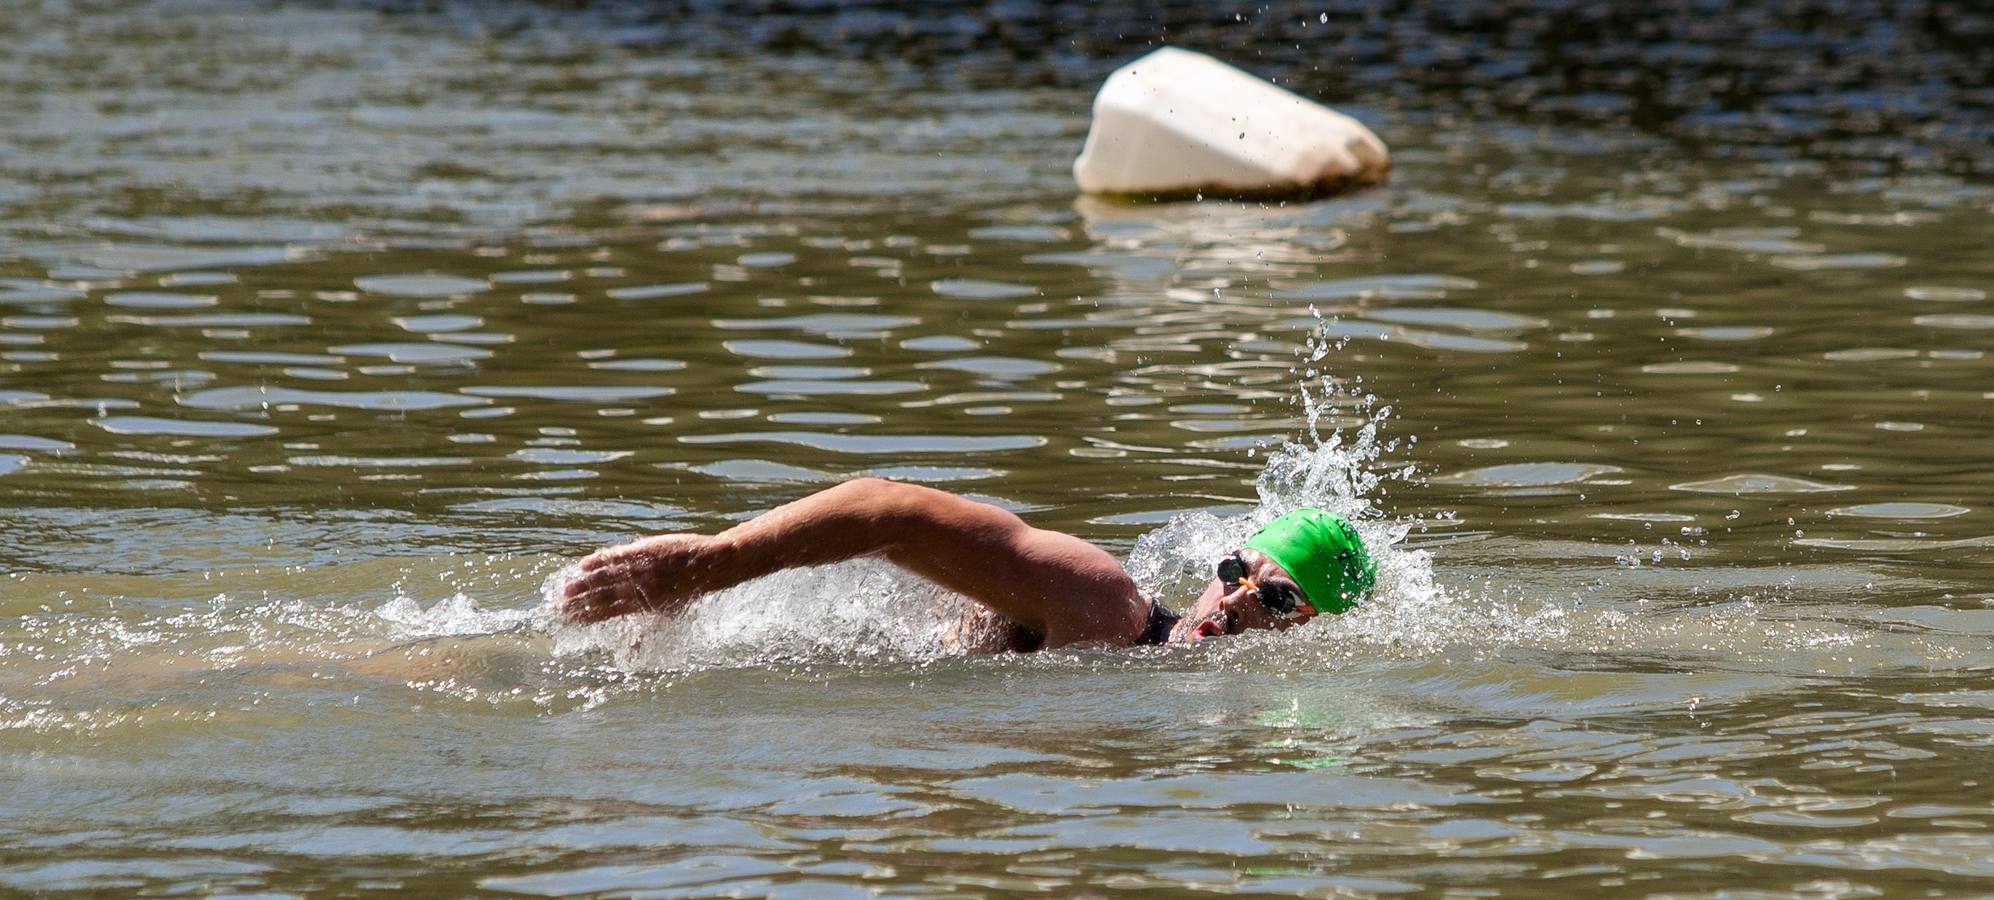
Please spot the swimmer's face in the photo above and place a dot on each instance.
(1229, 607)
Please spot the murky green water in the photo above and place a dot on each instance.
(326, 339)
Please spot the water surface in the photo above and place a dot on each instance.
(327, 338)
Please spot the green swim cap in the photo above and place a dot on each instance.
(1323, 553)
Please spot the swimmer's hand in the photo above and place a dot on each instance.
(654, 574)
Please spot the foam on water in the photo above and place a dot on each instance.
(853, 612)
(457, 616)
(155, 650)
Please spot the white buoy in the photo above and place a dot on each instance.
(1176, 124)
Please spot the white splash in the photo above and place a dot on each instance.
(1341, 473)
(856, 611)
(456, 616)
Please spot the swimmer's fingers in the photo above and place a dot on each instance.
(606, 558)
(643, 556)
(628, 578)
(604, 592)
(652, 574)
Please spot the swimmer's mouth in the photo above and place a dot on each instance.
(1219, 623)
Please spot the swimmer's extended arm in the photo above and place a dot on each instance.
(1055, 584)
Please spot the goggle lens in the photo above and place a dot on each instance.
(1232, 569)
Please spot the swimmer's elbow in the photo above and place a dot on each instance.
(883, 502)
(865, 494)
(911, 514)
(890, 510)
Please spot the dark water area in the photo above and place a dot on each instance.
(331, 334)
(1901, 84)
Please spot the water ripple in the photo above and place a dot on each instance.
(843, 326)
(421, 285)
(1901, 510)
(1940, 294)
(1533, 474)
(251, 398)
(418, 353)
(976, 289)
(185, 427)
(1380, 287)
(160, 300)
(658, 291)
(1958, 321)
(875, 444)
(569, 392)
(1759, 484)
(786, 349)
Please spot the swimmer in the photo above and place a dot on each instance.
(1033, 588)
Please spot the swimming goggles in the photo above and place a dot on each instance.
(1279, 599)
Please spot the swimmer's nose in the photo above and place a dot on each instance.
(1246, 591)
(1242, 598)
